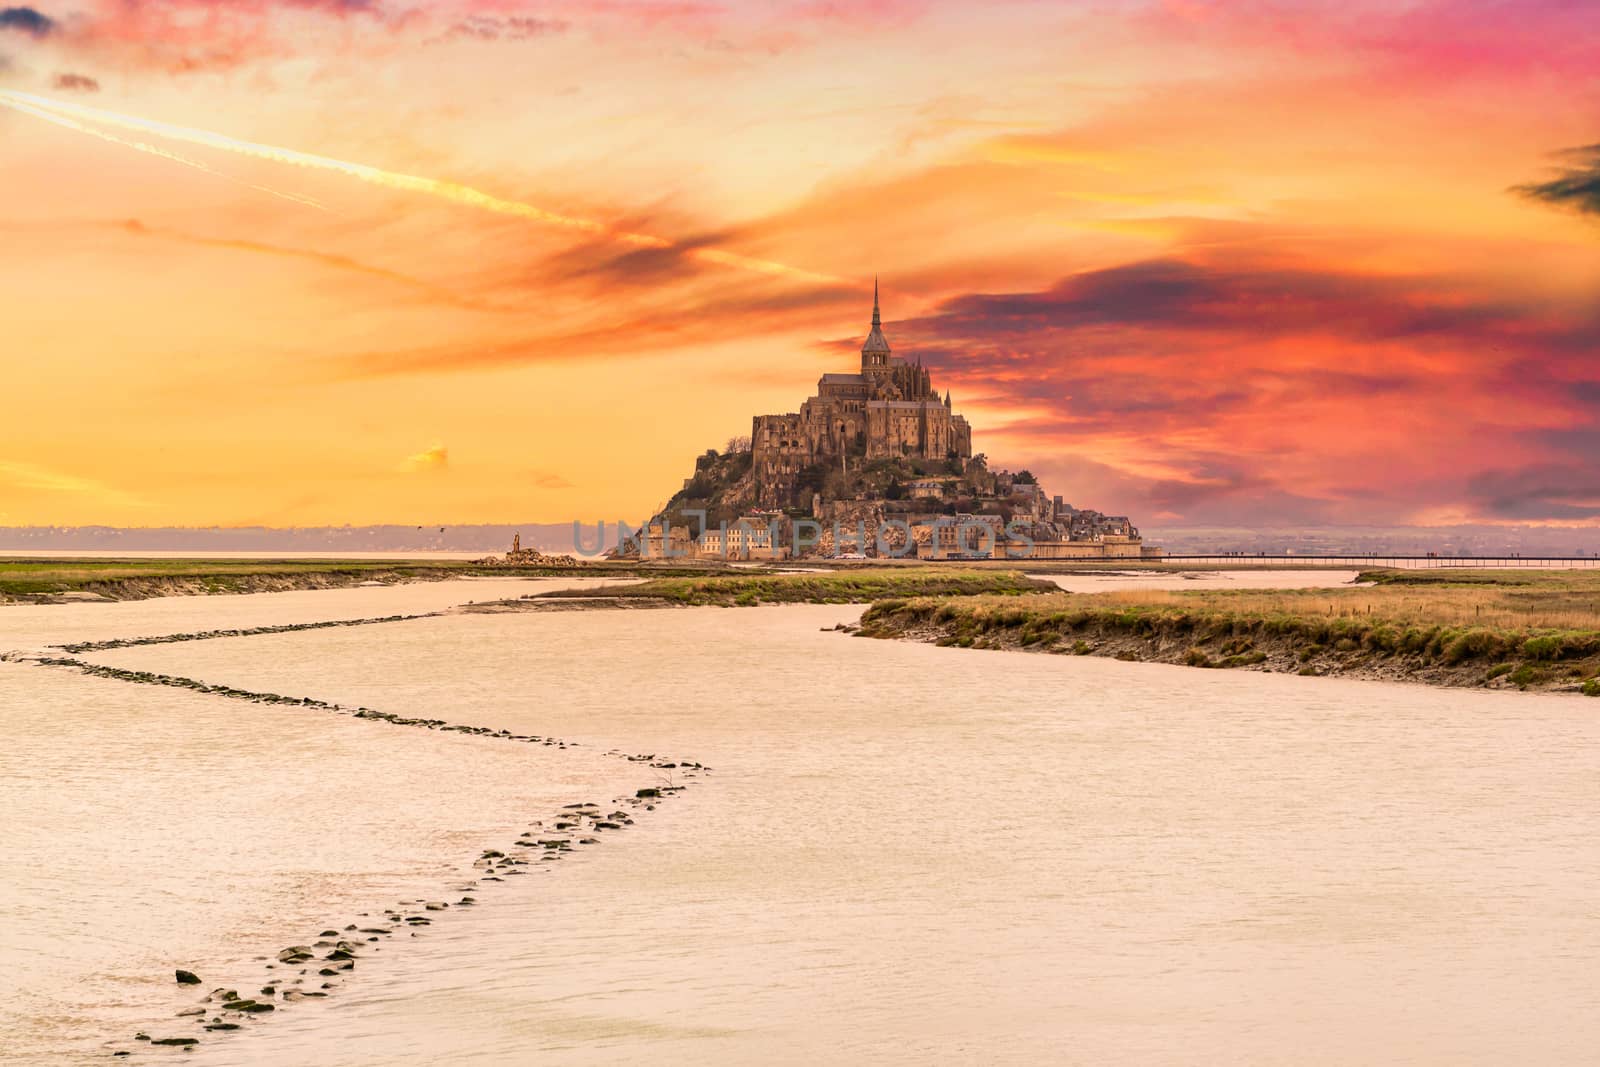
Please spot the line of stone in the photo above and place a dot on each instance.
(122, 674)
(225, 1010)
(206, 635)
(334, 953)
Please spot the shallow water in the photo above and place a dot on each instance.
(149, 828)
(34, 626)
(1201, 579)
(912, 854)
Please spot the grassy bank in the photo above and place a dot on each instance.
(1500, 629)
(836, 587)
(118, 579)
(46, 580)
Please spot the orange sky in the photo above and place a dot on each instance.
(1193, 261)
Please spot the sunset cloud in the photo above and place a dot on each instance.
(493, 28)
(1258, 391)
(24, 479)
(415, 287)
(26, 20)
(75, 83)
(436, 458)
(186, 37)
(1539, 493)
(29, 476)
(1194, 261)
(1256, 303)
(1577, 187)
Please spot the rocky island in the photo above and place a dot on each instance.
(875, 463)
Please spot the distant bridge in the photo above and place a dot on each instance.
(1397, 561)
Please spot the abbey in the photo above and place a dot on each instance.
(889, 410)
(876, 450)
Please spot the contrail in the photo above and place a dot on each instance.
(452, 191)
(62, 120)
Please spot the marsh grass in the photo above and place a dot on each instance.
(1560, 606)
(1532, 629)
(36, 577)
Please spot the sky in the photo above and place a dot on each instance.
(296, 262)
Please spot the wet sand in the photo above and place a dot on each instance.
(911, 854)
(906, 854)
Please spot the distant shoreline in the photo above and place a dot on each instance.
(56, 581)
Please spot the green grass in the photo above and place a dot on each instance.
(43, 577)
(39, 578)
(1532, 630)
(1450, 576)
(837, 587)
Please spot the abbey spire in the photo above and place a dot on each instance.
(875, 353)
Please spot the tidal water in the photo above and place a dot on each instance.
(27, 626)
(903, 854)
(1114, 581)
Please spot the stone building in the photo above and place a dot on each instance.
(889, 409)
(876, 462)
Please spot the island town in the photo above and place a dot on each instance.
(875, 464)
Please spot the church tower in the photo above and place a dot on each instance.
(875, 353)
